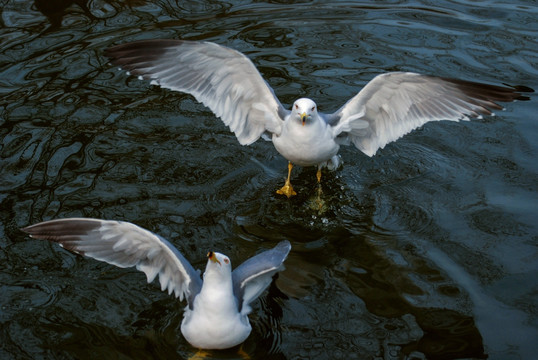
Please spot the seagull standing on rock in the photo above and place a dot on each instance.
(388, 107)
(218, 306)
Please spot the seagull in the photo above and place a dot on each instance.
(216, 316)
(227, 82)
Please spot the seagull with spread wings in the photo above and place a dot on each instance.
(216, 316)
(388, 107)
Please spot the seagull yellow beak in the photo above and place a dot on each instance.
(303, 117)
(211, 256)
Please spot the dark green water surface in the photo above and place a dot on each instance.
(428, 250)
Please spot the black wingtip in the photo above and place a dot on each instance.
(148, 50)
(520, 89)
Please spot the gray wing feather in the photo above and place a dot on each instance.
(393, 104)
(253, 276)
(221, 78)
(124, 244)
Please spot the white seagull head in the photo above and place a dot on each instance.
(304, 109)
(218, 265)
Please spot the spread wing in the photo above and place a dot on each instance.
(124, 244)
(393, 104)
(223, 79)
(253, 276)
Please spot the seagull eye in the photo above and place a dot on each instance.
(297, 106)
(313, 108)
(226, 261)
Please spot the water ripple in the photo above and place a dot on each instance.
(79, 138)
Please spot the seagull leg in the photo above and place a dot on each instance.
(318, 203)
(287, 189)
(244, 355)
(200, 355)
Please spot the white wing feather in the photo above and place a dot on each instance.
(221, 78)
(124, 244)
(253, 276)
(393, 104)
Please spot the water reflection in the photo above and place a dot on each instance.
(424, 251)
(55, 10)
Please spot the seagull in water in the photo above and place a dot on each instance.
(216, 314)
(388, 107)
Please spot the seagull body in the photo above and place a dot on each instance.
(388, 107)
(309, 144)
(216, 316)
(215, 304)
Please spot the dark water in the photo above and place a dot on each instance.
(427, 250)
